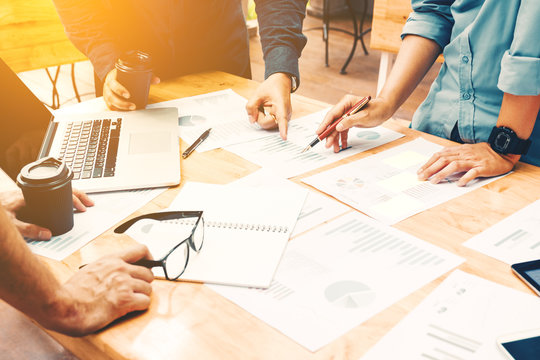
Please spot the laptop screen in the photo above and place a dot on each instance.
(23, 122)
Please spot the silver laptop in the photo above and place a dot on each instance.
(106, 151)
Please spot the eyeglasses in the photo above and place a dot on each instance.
(174, 263)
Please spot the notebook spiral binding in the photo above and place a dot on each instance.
(233, 225)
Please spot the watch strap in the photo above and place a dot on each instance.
(505, 141)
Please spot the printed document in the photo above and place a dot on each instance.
(513, 240)
(461, 319)
(317, 208)
(340, 274)
(385, 186)
(246, 231)
(286, 158)
(109, 209)
(224, 111)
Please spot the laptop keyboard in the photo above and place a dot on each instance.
(90, 147)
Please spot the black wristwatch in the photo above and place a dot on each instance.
(505, 141)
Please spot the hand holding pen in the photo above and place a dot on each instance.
(329, 126)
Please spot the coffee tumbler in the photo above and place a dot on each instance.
(46, 187)
(134, 72)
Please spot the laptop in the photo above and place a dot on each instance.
(106, 151)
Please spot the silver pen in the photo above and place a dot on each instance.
(197, 142)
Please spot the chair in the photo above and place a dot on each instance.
(33, 37)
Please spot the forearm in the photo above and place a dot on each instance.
(27, 284)
(416, 56)
(87, 26)
(519, 114)
(280, 28)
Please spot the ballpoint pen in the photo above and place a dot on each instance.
(197, 142)
(353, 110)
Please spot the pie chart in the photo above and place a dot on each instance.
(350, 183)
(349, 294)
(368, 135)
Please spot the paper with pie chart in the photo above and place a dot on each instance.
(224, 111)
(385, 186)
(338, 275)
(286, 159)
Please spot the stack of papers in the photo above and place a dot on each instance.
(385, 186)
(461, 319)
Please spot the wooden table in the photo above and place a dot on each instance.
(190, 321)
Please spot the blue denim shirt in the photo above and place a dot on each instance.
(490, 47)
(185, 36)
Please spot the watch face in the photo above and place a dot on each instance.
(501, 142)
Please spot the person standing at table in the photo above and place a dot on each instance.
(487, 93)
(188, 36)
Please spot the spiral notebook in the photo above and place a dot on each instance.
(246, 232)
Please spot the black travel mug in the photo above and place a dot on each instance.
(46, 187)
(134, 72)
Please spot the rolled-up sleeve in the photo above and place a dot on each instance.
(520, 65)
(431, 19)
(280, 28)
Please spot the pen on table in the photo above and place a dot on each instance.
(197, 142)
(353, 110)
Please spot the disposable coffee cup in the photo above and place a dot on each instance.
(134, 72)
(46, 187)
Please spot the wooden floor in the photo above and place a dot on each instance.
(19, 337)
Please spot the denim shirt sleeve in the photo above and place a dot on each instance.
(85, 23)
(520, 65)
(280, 28)
(430, 19)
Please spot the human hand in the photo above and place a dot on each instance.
(373, 114)
(103, 291)
(13, 201)
(116, 96)
(476, 160)
(273, 93)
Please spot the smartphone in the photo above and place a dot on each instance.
(523, 345)
(529, 272)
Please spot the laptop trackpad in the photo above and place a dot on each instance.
(145, 143)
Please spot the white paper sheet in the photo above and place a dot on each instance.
(231, 254)
(460, 320)
(338, 275)
(285, 157)
(224, 111)
(109, 209)
(385, 186)
(512, 240)
(316, 210)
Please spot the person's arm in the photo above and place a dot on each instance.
(280, 28)
(519, 79)
(424, 35)
(95, 296)
(13, 202)
(87, 26)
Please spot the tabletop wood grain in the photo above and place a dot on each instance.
(190, 321)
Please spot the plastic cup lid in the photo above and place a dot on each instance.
(47, 172)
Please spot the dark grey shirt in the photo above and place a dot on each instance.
(185, 36)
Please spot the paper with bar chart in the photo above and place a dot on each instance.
(224, 111)
(316, 209)
(286, 158)
(512, 240)
(460, 320)
(109, 209)
(385, 186)
(340, 274)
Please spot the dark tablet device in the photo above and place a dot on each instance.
(529, 272)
